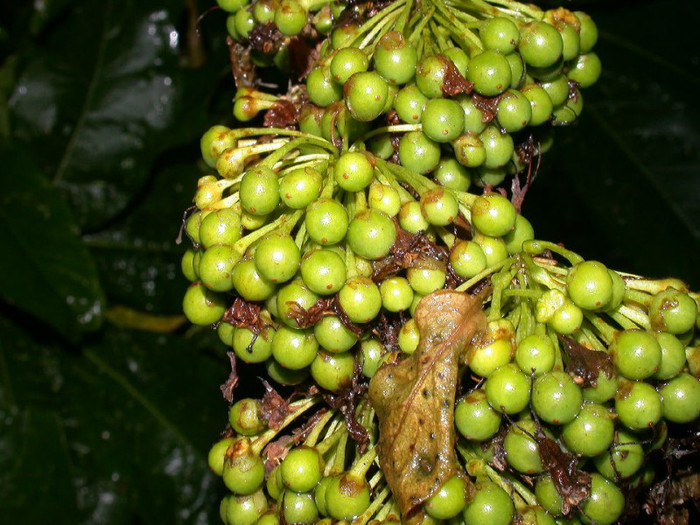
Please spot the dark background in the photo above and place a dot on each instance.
(108, 403)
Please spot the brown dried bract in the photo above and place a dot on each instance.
(407, 251)
(244, 314)
(275, 452)
(527, 152)
(230, 385)
(274, 407)
(414, 401)
(306, 318)
(346, 402)
(572, 484)
(357, 12)
(487, 105)
(242, 67)
(282, 114)
(302, 57)
(454, 83)
(669, 499)
(584, 364)
(265, 38)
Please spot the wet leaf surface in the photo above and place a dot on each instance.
(115, 433)
(45, 269)
(101, 108)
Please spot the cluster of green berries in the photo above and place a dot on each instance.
(304, 226)
(469, 93)
(312, 246)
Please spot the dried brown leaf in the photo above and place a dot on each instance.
(414, 401)
(585, 364)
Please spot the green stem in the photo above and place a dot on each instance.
(284, 223)
(297, 409)
(636, 316)
(403, 18)
(275, 157)
(362, 464)
(637, 296)
(330, 440)
(488, 271)
(313, 436)
(536, 247)
(397, 128)
(606, 331)
(653, 286)
(376, 504)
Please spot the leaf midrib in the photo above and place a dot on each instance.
(89, 95)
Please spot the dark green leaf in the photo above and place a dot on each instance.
(45, 269)
(98, 109)
(122, 429)
(137, 256)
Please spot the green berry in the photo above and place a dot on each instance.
(217, 455)
(556, 398)
(541, 44)
(301, 469)
(638, 405)
(259, 191)
(277, 258)
(290, 17)
(300, 187)
(294, 348)
(501, 34)
(251, 347)
(490, 72)
(333, 371)
(202, 306)
(326, 221)
(245, 417)
(360, 299)
(323, 271)
(636, 353)
(371, 234)
(604, 504)
(439, 206)
(346, 62)
(448, 501)
(591, 432)
(333, 335)
(493, 214)
(589, 285)
(673, 311)
(366, 95)
(681, 399)
(474, 417)
(418, 153)
(508, 389)
(535, 354)
(442, 119)
(490, 504)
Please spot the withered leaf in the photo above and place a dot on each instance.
(584, 364)
(274, 407)
(572, 484)
(230, 385)
(414, 401)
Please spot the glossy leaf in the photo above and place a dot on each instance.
(116, 434)
(45, 269)
(138, 256)
(97, 110)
